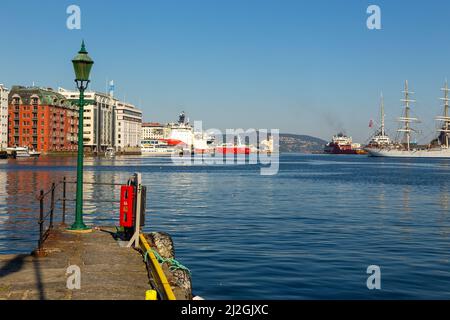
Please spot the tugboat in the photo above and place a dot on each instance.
(342, 144)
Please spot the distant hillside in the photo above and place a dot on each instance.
(301, 143)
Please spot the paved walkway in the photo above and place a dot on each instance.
(108, 271)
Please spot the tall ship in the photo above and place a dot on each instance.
(380, 138)
(438, 148)
(343, 144)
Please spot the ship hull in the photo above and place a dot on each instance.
(341, 152)
(334, 149)
(431, 153)
(233, 150)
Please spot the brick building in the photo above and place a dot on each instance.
(41, 119)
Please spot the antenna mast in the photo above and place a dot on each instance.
(382, 115)
(445, 118)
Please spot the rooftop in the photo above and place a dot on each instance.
(152, 124)
(47, 96)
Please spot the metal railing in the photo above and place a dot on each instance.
(43, 216)
(47, 217)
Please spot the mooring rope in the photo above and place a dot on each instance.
(174, 264)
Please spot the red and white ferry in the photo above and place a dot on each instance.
(229, 148)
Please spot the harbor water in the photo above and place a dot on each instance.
(309, 232)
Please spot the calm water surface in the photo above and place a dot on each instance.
(309, 232)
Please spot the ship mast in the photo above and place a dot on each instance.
(406, 119)
(445, 118)
(382, 116)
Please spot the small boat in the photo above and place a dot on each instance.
(22, 152)
(34, 154)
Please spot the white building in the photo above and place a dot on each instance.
(128, 124)
(98, 133)
(3, 117)
(154, 131)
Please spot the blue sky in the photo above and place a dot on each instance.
(307, 67)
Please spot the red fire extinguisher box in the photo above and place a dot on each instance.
(127, 206)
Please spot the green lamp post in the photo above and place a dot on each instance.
(82, 65)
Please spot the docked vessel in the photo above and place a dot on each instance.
(181, 133)
(233, 148)
(156, 148)
(34, 153)
(184, 139)
(438, 148)
(22, 152)
(342, 144)
(230, 148)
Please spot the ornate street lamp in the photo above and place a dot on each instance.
(82, 64)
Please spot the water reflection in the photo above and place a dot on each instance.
(311, 221)
(382, 199)
(19, 207)
(101, 197)
(406, 199)
(444, 198)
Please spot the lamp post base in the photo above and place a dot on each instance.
(79, 228)
(80, 231)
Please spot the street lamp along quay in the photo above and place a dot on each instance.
(82, 64)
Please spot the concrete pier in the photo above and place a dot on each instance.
(108, 271)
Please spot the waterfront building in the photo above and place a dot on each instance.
(98, 125)
(41, 119)
(128, 124)
(154, 131)
(4, 92)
